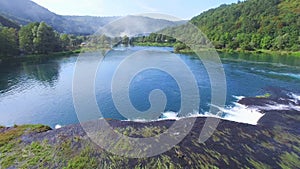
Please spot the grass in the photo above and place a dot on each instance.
(222, 150)
(10, 138)
(265, 96)
(268, 146)
(289, 160)
(83, 160)
(10, 141)
(17, 131)
(258, 164)
(36, 154)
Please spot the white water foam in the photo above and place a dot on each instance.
(269, 107)
(58, 126)
(237, 113)
(238, 97)
(295, 98)
(241, 114)
(170, 115)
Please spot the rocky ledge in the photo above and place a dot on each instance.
(273, 143)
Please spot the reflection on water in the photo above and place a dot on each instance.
(47, 73)
(262, 58)
(11, 74)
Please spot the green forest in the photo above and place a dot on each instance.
(250, 25)
(253, 24)
(34, 38)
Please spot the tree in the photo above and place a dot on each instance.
(255, 40)
(8, 41)
(266, 42)
(45, 39)
(179, 46)
(281, 42)
(26, 36)
(267, 21)
(39, 38)
(65, 41)
(125, 40)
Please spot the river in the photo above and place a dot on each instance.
(41, 91)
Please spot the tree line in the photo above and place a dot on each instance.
(253, 24)
(249, 25)
(35, 38)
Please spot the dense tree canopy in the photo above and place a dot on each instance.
(248, 25)
(253, 24)
(26, 37)
(35, 38)
(8, 41)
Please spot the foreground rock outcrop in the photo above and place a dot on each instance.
(273, 143)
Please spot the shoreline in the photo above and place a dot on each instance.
(189, 51)
(35, 57)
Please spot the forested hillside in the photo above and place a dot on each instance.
(253, 24)
(8, 23)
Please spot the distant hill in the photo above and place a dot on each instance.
(136, 25)
(90, 23)
(8, 23)
(253, 24)
(26, 11)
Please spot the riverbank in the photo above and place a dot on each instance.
(262, 51)
(273, 143)
(255, 52)
(189, 51)
(35, 57)
(155, 44)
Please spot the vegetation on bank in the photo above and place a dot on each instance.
(253, 25)
(180, 47)
(17, 131)
(256, 52)
(34, 39)
(259, 26)
(158, 44)
(39, 57)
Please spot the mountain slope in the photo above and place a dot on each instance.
(136, 25)
(26, 11)
(8, 23)
(262, 24)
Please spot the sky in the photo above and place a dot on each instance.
(183, 9)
